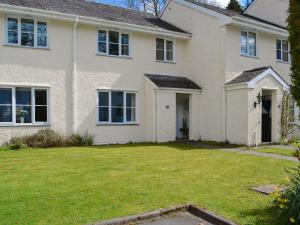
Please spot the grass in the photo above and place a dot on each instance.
(88, 184)
(278, 151)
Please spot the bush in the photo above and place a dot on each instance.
(81, 140)
(16, 143)
(45, 139)
(288, 200)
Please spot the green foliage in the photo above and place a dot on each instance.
(16, 143)
(81, 140)
(294, 39)
(234, 5)
(45, 139)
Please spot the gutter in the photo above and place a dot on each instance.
(74, 97)
(90, 20)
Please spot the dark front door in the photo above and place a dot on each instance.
(266, 133)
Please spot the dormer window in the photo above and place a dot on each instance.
(248, 43)
(26, 32)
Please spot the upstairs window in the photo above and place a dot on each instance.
(116, 107)
(23, 105)
(27, 32)
(282, 50)
(113, 43)
(248, 43)
(164, 50)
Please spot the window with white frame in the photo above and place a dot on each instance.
(164, 50)
(282, 50)
(116, 107)
(26, 32)
(248, 43)
(113, 43)
(23, 105)
(291, 110)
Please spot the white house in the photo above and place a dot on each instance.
(197, 72)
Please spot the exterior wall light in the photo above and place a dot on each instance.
(259, 98)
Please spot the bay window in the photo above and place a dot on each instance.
(282, 51)
(113, 43)
(116, 107)
(164, 50)
(26, 32)
(248, 43)
(23, 105)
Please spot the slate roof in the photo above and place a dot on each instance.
(231, 13)
(96, 10)
(248, 75)
(166, 81)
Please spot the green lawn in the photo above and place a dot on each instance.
(279, 151)
(84, 185)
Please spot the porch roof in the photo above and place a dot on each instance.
(167, 81)
(248, 75)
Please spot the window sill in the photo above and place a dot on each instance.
(161, 61)
(26, 47)
(279, 61)
(117, 124)
(250, 56)
(25, 125)
(114, 56)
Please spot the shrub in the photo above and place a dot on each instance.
(45, 139)
(288, 200)
(81, 140)
(16, 143)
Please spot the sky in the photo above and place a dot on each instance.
(119, 2)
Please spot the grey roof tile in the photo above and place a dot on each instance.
(248, 75)
(96, 10)
(166, 81)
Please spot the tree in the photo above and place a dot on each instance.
(235, 6)
(149, 6)
(246, 3)
(294, 39)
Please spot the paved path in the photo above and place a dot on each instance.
(247, 152)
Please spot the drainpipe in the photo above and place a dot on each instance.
(155, 115)
(224, 115)
(74, 74)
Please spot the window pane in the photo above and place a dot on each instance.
(102, 35)
(42, 28)
(169, 45)
(169, 55)
(12, 37)
(243, 42)
(117, 99)
(12, 24)
(285, 56)
(27, 39)
(23, 114)
(160, 43)
(117, 115)
(27, 25)
(5, 114)
(5, 96)
(113, 37)
(278, 44)
(252, 44)
(278, 54)
(130, 100)
(160, 55)
(102, 47)
(125, 50)
(40, 97)
(114, 49)
(125, 39)
(42, 34)
(130, 115)
(103, 99)
(23, 96)
(27, 29)
(41, 40)
(285, 46)
(103, 114)
(41, 114)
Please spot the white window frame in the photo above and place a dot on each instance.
(165, 49)
(33, 105)
(292, 113)
(120, 42)
(247, 43)
(281, 51)
(19, 18)
(109, 122)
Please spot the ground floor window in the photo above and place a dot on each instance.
(116, 107)
(23, 105)
(291, 110)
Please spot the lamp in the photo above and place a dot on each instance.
(258, 98)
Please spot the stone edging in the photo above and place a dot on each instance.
(202, 213)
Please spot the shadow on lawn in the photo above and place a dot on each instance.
(264, 216)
